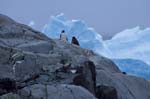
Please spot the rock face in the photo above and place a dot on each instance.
(106, 92)
(40, 91)
(37, 67)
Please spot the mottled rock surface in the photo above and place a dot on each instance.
(38, 67)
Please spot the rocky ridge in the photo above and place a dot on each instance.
(33, 66)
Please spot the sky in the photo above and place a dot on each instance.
(108, 17)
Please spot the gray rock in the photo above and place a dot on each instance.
(39, 91)
(128, 87)
(7, 85)
(106, 92)
(37, 47)
(86, 76)
(10, 96)
(6, 71)
(47, 68)
(5, 20)
(103, 63)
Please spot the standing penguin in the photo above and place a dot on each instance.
(75, 41)
(63, 36)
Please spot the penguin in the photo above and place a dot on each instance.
(63, 36)
(124, 73)
(75, 41)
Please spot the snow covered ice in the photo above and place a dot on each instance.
(131, 43)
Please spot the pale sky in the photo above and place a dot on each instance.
(106, 16)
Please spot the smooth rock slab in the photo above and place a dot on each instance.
(40, 91)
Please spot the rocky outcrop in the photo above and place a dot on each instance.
(128, 87)
(40, 91)
(10, 96)
(7, 85)
(106, 92)
(36, 67)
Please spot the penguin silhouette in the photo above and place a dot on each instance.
(63, 36)
(75, 41)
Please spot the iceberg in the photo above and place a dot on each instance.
(129, 49)
(31, 24)
(131, 43)
(87, 36)
(133, 67)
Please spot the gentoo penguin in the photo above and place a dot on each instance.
(75, 41)
(63, 36)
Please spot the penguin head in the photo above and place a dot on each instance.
(63, 31)
(74, 38)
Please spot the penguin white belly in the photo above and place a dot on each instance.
(63, 37)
